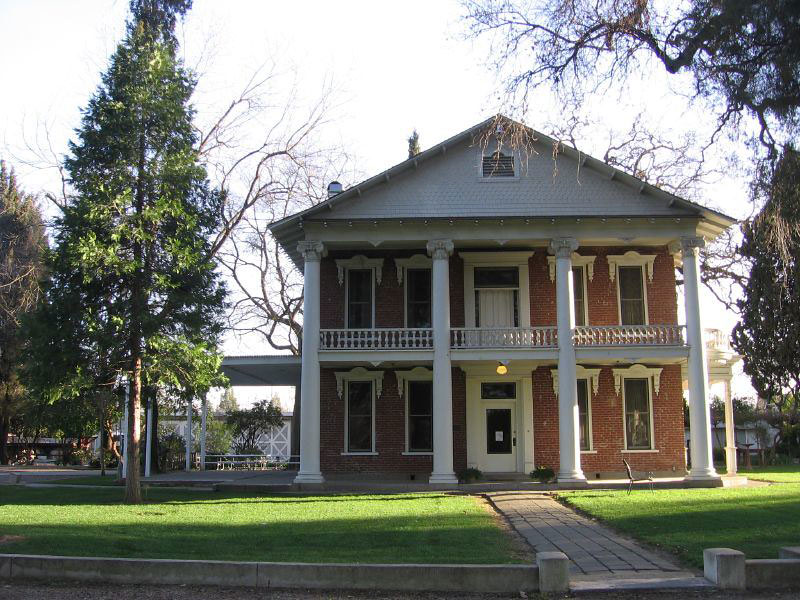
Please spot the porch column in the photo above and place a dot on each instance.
(568, 420)
(699, 415)
(730, 432)
(309, 378)
(440, 251)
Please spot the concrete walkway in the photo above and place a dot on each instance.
(598, 556)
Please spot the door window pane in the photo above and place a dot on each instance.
(496, 277)
(583, 414)
(418, 297)
(420, 416)
(359, 416)
(498, 431)
(498, 391)
(631, 295)
(359, 298)
(637, 414)
(580, 296)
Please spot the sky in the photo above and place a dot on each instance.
(389, 67)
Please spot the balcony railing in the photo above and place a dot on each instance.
(717, 340)
(511, 337)
(376, 339)
(629, 335)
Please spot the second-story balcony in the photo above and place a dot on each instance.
(593, 336)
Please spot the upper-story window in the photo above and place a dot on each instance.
(496, 297)
(579, 292)
(418, 298)
(360, 298)
(498, 164)
(632, 299)
(584, 415)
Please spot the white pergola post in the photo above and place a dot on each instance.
(204, 416)
(568, 420)
(148, 447)
(440, 251)
(309, 378)
(124, 433)
(699, 415)
(730, 432)
(188, 437)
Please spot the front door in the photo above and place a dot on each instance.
(501, 437)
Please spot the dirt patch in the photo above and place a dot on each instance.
(10, 539)
(520, 548)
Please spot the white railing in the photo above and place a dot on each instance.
(376, 339)
(510, 337)
(629, 335)
(717, 340)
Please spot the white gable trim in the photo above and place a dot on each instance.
(631, 259)
(578, 260)
(360, 262)
(359, 374)
(637, 371)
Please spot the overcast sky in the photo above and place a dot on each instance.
(393, 67)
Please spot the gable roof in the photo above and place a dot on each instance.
(598, 195)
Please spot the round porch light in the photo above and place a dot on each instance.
(502, 367)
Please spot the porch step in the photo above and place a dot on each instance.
(506, 476)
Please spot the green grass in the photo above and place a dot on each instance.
(778, 474)
(415, 528)
(85, 480)
(755, 520)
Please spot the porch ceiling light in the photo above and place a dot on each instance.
(502, 367)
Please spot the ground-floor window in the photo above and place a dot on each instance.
(360, 410)
(420, 416)
(638, 415)
(584, 414)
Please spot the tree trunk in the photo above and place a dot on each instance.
(133, 491)
(5, 422)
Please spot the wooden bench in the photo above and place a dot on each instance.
(648, 477)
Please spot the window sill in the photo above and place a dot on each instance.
(359, 454)
(417, 453)
(588, 451)
(640, 451)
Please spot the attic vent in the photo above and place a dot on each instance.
(498, 165)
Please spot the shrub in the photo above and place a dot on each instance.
(470, 475)
(543, 474)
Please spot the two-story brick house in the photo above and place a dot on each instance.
(470, 307)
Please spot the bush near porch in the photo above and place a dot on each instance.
(408, 528)
(756, 520)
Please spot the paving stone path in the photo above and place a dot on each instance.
(592, 549)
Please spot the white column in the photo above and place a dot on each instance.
(203, 434)
(148, 447)
(188, 437)
(730, 432)
(568, 421)
(309, 378)
(699, 415)
(440, 251)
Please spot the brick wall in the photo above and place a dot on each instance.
(607, 426)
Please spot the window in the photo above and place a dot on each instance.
(498, 165)
(499, 391)
(418, 298)
(359, 298)
(584, 414)
(631, 296)
(359, 416)
(579, 291)
(496, 297)
(638, 434)
(420, 416)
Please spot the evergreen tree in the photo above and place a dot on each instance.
(413, 144)
(228, 403)
(132, 267)
(22, 242)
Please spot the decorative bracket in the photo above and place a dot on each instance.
(360, 262)
(593, 375)
(418, 261)
(631, 259)
(637, 371)
(415, 374)
(359, 374)
(578, 260)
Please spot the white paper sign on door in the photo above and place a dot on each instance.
(498, 436)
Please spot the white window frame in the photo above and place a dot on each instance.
(590, 449)
(402, 265)
(347, 296)
(585, 293)
(632, 259)
(592, 377)
(653, 377)
(497, 259)
(403, 379)
(359, 262)
(359, 374)
(482, 152)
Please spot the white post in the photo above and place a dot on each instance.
(699, 415)
(730, 432)
(440, 251)
(124, 433)
(204, 416)
(568, 420)
(309, 378)
(148, 448)
(188, 437)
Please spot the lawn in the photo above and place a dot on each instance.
(755, 520)
(85, 480)
(779, 474)
(414, 528)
